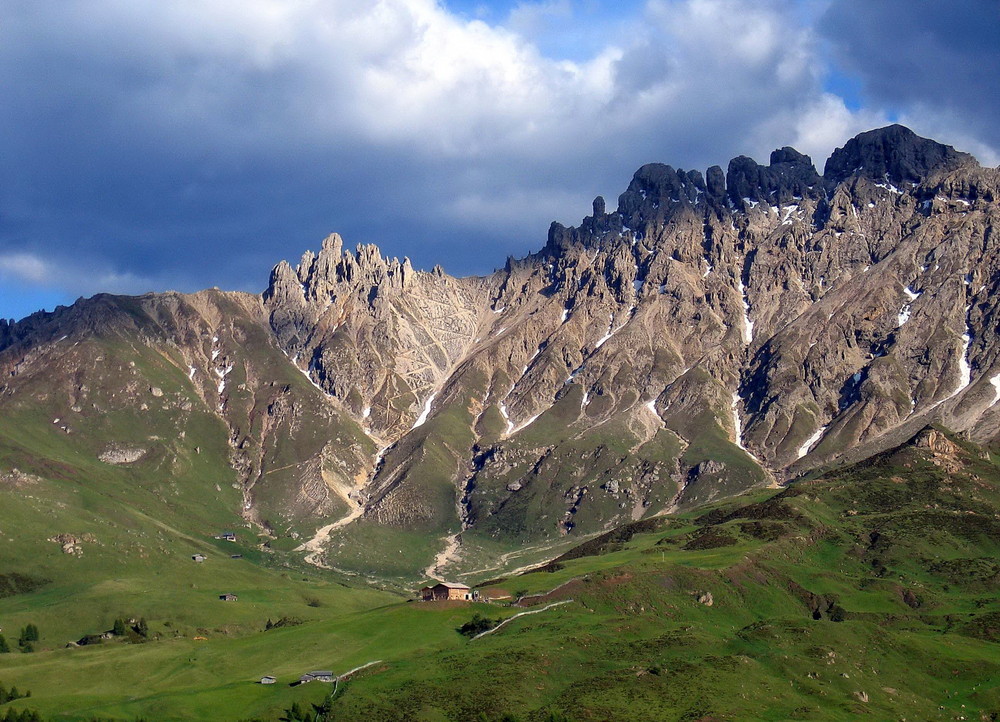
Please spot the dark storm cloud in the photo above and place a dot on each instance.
(924, 59)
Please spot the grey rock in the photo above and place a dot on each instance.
(121, 454)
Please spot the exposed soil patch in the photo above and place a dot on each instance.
(821, 606)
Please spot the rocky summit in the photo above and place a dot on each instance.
(714, 333)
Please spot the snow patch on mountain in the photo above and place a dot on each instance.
(426, 411)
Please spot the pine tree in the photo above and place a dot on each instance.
(119, 628)
(143, 628)
(4, 647)
(294, 714)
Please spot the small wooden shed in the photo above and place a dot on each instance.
(228, 597)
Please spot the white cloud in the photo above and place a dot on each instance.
(24, 266)
(409, 72)
(70, 278)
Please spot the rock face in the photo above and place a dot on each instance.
(372, 330)
(789, 177)
(711, 334)
(895, 154)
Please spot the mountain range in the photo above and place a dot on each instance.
(715, 333)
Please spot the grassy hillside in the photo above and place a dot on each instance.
(869, 591)
(864, 591)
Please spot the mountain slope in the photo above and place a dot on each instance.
(866, 591)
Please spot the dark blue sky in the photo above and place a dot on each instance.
(152, 146)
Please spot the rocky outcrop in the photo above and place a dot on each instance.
(895, 154)
(121, 454)
(790, 177)
(373, 333)
(17, 479)
(72, 544)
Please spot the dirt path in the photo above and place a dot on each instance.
(444, 557)
(551, 591)
(504, 558)
(345, 675)
(521, 614)
(314, 546)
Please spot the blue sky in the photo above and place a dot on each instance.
(151, 146)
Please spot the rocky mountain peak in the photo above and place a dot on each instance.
(790, 176)
(320, 278)
(656, 185)
(789, 156)
(894, 153)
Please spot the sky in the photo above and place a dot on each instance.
(150, 146)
